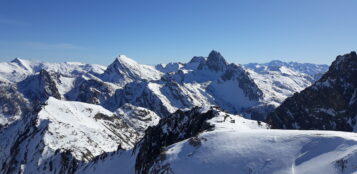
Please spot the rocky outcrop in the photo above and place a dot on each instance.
(329, 104)
(90, 91)
(177, 127)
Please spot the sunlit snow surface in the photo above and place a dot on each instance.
(265, 151)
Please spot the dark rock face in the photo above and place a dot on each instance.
(197, 59)
(215, 61)
(38, 88)
(177, 127)
(329, 104)
(89, 91)
(137, 93)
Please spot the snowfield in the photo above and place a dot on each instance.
(265, 151)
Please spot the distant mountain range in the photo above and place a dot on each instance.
(251, 90)
(207, 115)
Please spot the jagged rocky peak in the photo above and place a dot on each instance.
(329, 104)
(215, 61)
(170, 67)
(344, 63)
(197, 59)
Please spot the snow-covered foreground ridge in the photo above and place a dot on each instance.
(212, 141)
(264, 151)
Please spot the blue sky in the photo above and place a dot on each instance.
(156, 31)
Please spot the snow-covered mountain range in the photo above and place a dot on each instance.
(203, 81)
(206, 114)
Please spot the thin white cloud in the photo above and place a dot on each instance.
(11, 22)
(50, 46)
(40, 45)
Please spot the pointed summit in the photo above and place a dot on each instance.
(124, 70)
(122, 59)
(22, 63)
(215, 61)
(17, 60)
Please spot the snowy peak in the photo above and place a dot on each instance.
(215, 61)
(126, 60)
(22, 63)
(124, 70)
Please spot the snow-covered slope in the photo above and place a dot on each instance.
(280, 83)
(261, 151)
(60, 135)
(13, 104)
(279, 80)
